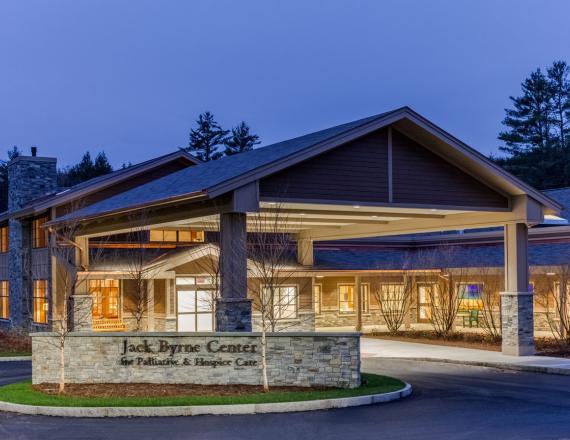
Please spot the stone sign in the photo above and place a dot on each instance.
(296, 359)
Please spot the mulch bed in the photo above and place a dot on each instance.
(162, 390)
(544, 346)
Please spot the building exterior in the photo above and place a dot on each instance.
(382, 207)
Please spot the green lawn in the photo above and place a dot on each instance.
(14, 353)
(22, 392)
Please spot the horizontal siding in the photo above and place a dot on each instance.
(356, 171)
(422, 177)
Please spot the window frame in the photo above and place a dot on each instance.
(4, 239)
(40, 300)
(278, 305)
(39, 240)
(105, 304)
(4, 299)
(199, 239)
(364, 296)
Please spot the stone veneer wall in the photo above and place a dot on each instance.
(28, 179)
(305, 322)
(295, 359)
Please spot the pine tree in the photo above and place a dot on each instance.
(529, 123)
(560, 112)
(86, 169)
(205, 139)
(13, 153)
(537, 142)
(240, 140)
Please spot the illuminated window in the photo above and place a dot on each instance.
(470, 296)
(318, 293)
(347, 300)
(284, 301)
(174, 236)
(41, 305)
(4, 300)
(4, 239)
(39, 233)
(105, 298)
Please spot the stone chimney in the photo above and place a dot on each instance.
(29, 177)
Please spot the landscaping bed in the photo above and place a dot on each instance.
(122, 394)
(15, 344)
(544, 346)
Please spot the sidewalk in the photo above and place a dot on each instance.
(371, 348)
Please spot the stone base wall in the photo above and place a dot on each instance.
(517, 323)
(305, 322)
(295, 359)
(334, 318)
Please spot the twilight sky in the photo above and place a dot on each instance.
(130, 77)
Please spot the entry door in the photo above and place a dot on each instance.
(424, 302)
(195, 308)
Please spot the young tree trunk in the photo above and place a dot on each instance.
(61, 387)
(264, 358)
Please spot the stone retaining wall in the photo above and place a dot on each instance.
(296, 359)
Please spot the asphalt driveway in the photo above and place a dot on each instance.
(450, 401)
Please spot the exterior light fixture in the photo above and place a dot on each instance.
(550, 274)
(356, 206)
(433, 210)
(301, 213)
(320, 276)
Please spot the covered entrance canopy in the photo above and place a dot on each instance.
(390, 174)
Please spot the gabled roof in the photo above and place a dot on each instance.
(218, 177)
(98, 183)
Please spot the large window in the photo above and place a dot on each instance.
(106, 296)
(4, 239)
(347, 299)
(470, 296)
(195, 304)
(176, 236)
(41, 305)
(39, 233)
(284, 301)
(4, 300)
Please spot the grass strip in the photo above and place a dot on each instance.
(22, 392)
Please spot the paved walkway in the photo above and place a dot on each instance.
(372, 348)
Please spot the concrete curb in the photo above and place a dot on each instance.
(499, 365)
(15, 358)
(172, 411)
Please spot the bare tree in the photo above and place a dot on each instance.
(553, 294)
(444, 289)
(394, 298)
(270, 253)
(69, 314)
(490, 302)
(140, 271)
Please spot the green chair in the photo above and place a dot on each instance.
(471, 319)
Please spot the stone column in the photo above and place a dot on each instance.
(358, 297)
(233, 308)
(305, 252)
(516, 301)
(82, 313)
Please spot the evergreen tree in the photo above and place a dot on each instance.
(86, 169)
(529, 123)
(205, 139)
(537, 142)
(240, 140)
(13, 153)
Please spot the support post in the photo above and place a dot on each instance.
(150, 299)
(516, 301)
(233, 308)
(358, 296)
(305, 253)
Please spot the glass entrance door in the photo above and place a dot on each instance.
(195, 306)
